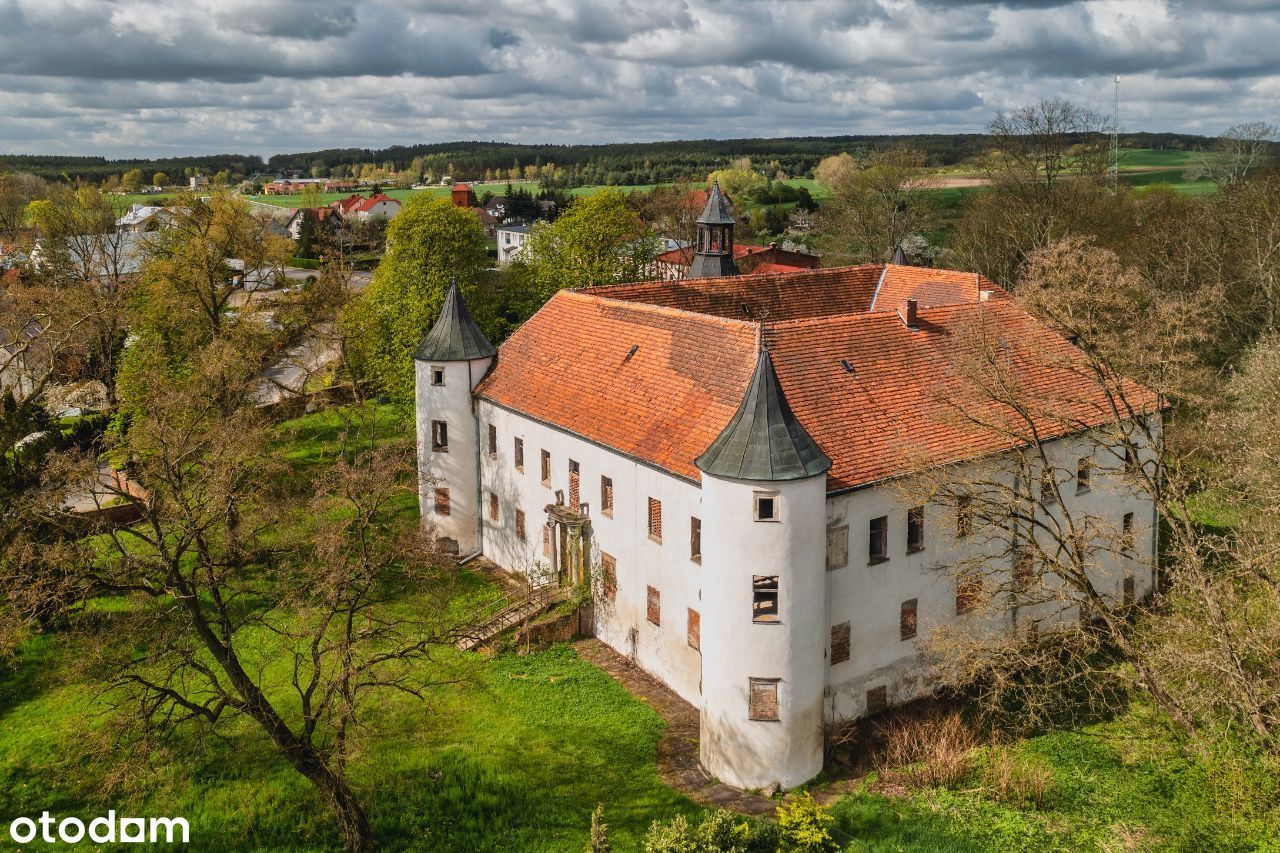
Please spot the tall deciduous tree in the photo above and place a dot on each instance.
(870, 211)
(598, 240)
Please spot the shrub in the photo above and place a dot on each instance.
(720, 831)
(933, 751)
(1017, 779)
(805, 826)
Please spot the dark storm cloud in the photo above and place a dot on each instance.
(155, 76)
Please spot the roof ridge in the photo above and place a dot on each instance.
(649, 307)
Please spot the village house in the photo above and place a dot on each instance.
(511, 240)
(719, 454)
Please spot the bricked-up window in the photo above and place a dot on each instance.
(609, 576)
(519, 454)
(877, 700)
(655, 519)
(907, 619)
(606, 495)
(546, 541)
(837, 547)
(654, 612)
(762, 701)
(493, 441)
(1023, 571)
(968, 592)
(839, 643)
(878, 539)
(440, 436)
(442, 506)
(493, 507)
(1084, 468)
(1126, 532)
(964, 516)
(695, 539)
(437, 375)
(546, 467)
(520, 531)
(915, 529)
(764, 598)
(766, 506)
(575, 475)
(1128, 590)
(694, 629)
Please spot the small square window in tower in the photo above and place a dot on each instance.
(907, 619)
(695, 539)
(520, 531)
(654, 605)
(437, 375)
(546, 467)
(609, 576)
(439, 437)
(878, 540)
(766, 506)
(519, 454)
(1084, 468)
(442, 506)
(762, 699)
(693, 629)
(764, 598)
(839, 643)
(915, 529)
(606, 496)
(493, 441)
(575, 475)
(655, 520)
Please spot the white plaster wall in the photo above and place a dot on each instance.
(738, 750)
(662, 650)
(455, 469)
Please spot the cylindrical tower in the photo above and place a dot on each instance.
(453, 358)
(764, 593)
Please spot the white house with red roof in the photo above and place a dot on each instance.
(723, 456)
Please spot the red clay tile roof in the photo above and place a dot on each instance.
(684, 257)
(664, 404)
(368, 203)
(770, 268)
(929, 287)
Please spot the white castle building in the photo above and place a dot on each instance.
(725, 451)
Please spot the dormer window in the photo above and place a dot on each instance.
(766, 506)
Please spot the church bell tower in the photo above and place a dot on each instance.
(713, 251)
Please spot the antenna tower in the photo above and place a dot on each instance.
(1115, 137)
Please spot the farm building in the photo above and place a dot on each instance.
(720, 455)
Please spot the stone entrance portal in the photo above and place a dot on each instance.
(569, 531)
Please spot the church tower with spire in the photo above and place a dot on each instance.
(713, 249)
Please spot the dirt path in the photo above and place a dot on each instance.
(678, 747)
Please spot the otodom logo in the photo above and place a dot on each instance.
(100, 830)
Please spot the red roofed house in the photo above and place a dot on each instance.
(377, 206)
(722, 451)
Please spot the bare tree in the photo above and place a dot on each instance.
(1240, 152)
(870, 211)
(1041, 144)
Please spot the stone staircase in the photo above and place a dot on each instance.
(507, 612)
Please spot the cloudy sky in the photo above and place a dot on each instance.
(169, 77)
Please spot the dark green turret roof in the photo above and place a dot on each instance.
(717, 210)
(455, 336)
(763, 440)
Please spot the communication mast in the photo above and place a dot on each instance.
(1115, 138)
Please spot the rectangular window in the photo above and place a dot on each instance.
(1023, 571)
(442, 506)
(837, 547)
(1130, 462)
(878, 540)
(606, 496)
(546, 467)
(1048, 487)
(654, 612)
(546, 540)
(877, 700)
(520, 531)
(766, 506)
(575, 496)
(493, 507)
(964, 516)
(839, 643)
(1126, 532)
(437, 375)
(519, 454)
(1084, 468)
(764, 598)
(440, 436)
(915, 529)
(655, 519)
(493, 441)
(693, 630)
(907, 619)
(609, 576)
(1127, 593)
(968, 593)
(695, 539)
(762, 699)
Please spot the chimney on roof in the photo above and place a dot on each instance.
(913, 320)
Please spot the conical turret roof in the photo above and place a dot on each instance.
(455, 335)
(717, 210)
(899, 257)
(763, 440)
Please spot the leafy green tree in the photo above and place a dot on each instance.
(429, 243)
(132, 180)
(739, 179)
(159, 179)
(598, 240)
